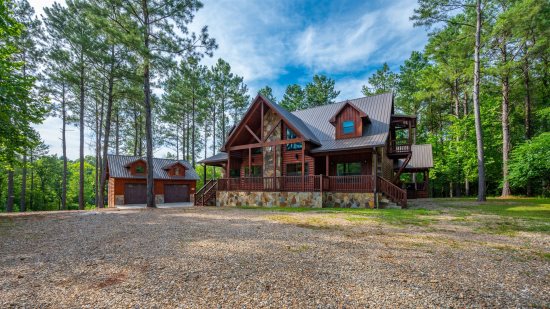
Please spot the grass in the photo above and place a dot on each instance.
(496, 216)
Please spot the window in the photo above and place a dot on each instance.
(177, 171)
(348, 127)
(255, 171)
(257, 150)
(234, 173)
(291, 135)
(348, 169)
(295, 169)
(140, 169)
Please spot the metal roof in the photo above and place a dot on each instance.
(117, 168)
(294, 121)
(219, 157)
(421, 157)
(378, 108)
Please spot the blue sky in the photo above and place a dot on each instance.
(282, 42)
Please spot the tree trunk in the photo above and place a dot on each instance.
(193, 128)
(505, 127)
(64, 146)
(477, 114)
(81, 115)
(31, 196)
(9, 201)
(117, 133)
(467, 187)
(22, 205)
(527, 100)
(148, 120)
(103, 181)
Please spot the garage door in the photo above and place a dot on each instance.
(135, 193)
(176, 193)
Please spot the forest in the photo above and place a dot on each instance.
(130, 77)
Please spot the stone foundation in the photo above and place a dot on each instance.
(119, 199)
(348, 200)
(294, 199)
(159, 198)
(269, 199)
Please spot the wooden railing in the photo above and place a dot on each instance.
(205, 193)
(393, 192)
(399, 147)
(359, 183)
(317, 183)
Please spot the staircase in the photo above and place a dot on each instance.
(207, 193)
(392, 192)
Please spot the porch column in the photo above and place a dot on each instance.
(327, 165)
(303, 165)
(228, 170)
(249, 161)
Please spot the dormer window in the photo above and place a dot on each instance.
(176, 171)
(348, 127)
(140, 169)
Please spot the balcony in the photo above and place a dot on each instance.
(399, 148)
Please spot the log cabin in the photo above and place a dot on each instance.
(174, 180)
(353, 153)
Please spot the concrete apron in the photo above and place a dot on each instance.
(164, 205)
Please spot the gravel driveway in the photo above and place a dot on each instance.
(227, 258)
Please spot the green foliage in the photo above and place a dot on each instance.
(73, 181)
(18, 110)
(320, 91)
(384, 80)
(294, 98)
(530, 163)
(267, 93)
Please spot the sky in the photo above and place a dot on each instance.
(283, 42)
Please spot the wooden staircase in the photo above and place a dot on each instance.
(391, 191)
(207, 193)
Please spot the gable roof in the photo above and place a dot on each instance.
(362, 114)
(117, 168)
(378, 108)
(295, 123)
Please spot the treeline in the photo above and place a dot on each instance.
(438, 83)
(94, 64)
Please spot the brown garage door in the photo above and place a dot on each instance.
(135, 193)
(176, 193)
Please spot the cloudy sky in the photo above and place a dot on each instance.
(282, 42)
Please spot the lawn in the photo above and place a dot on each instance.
(499, 216)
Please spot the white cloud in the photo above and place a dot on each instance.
(252, 36)
(346, 45)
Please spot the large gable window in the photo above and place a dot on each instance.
(291, 135)
(348, 127)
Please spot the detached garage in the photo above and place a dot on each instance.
(174, 180)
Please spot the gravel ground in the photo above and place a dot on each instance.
(227, 258)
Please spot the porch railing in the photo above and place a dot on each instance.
(317, 183)
(399, 146)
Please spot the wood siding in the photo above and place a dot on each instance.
(117, 186)
(346, 114)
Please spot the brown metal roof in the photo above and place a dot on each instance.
(217, 158)
(421, 158)
(378, 108)
(117, 168)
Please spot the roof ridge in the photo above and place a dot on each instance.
(342, 102)
(144, 157)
